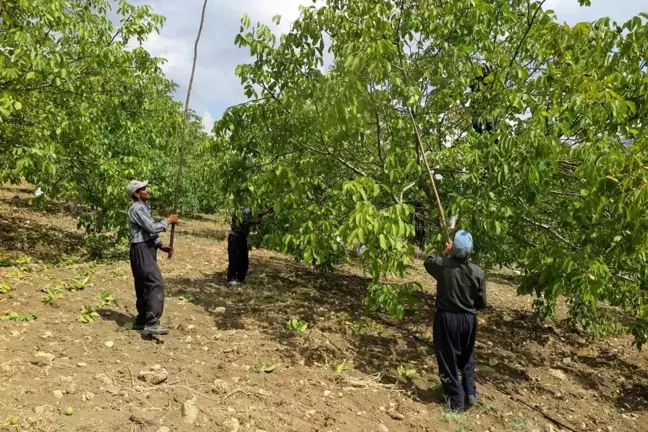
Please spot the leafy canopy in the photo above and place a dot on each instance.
(536, 131)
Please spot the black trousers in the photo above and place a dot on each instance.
(454, 343)
(239, 260)
(149, 285)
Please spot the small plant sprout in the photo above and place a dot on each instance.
(407, 373)
(296, 325)
(88, 315)
(106, 299)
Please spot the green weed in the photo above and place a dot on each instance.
(14, 316)
(296, 325)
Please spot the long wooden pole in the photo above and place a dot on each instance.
(176, 200)
(427, 167)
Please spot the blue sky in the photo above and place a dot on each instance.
(216, 87)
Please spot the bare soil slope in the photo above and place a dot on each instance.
(231, 364)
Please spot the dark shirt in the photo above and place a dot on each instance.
(461, 286)
(241, 224)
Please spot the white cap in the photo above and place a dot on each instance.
(134, 185)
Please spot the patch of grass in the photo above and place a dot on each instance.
(484, 409)
(405, 372)
(359, 325)
(185, 298)
(5, 288)
(106, 299)
(522, 424)
(88, 315)
(435, 388)
(460, 418)
(262, 366)
(340, 367)
(51, 294)
(17, 274)
(78, 284)
(14, 316)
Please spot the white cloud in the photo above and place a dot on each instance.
(207, 122)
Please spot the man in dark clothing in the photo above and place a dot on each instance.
(461, 291)
(149, 285)
(237, 245)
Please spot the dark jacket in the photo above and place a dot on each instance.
(241, 224)
(461, 286)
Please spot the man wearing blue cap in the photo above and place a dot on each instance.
(461, 292)
(144, 239)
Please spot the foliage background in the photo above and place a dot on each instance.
(541, 154)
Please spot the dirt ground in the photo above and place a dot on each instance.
(232, 364)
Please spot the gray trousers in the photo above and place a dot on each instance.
(149, 285)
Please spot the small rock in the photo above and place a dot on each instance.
(58, 394)
(327, 393)
(46, 335)
(87, 396)
(232, 424)
(82, 364)
(311, 413)
(153, 375)
(43, 408)
(112, 390)
(109, 344)
(396, 415)
(188, 339)
(15, 333)
(164, 429)
(189, 412)
(609, 428)
(143, 418)
(105, 379)
(221, 386)
(382, 428)
(567, 360)
(263, 392)
(43, 359)
(219, 310)
(556, 373)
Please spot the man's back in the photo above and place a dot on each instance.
(461, 286)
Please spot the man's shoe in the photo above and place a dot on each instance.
(472, 400)
(155, 330)
(137, 326)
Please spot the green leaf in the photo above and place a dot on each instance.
(268, 368)
(383, 242)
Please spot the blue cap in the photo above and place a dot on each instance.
(463, 244)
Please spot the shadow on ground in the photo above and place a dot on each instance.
(339, 329)
(47, 243)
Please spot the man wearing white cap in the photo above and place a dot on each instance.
(144, 239)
